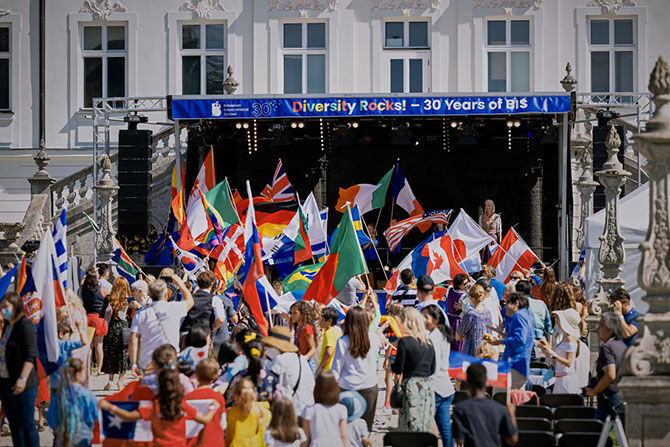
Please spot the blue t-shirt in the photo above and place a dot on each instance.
(499, 287)
(65, 348)
(631, 318)
(85, 402)
(520, 340)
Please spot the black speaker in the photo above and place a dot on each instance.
(600, 157)
(134, 174)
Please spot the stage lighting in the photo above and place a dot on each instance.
(238, 125)
(517, 123)
(510, 123)
(245, 125)
(354, 124)
(301, 124)
(454, 124)
(294, 125)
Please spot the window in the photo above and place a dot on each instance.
(612, 55)
(406, 56)
(104, 51)
(4, 67)
(508, 55)
(304, 57)
(202, 58)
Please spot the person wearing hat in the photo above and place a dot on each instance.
(425, 289)
(564, 356)
(296, 381)
(359, 436)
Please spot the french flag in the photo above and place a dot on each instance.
(497, 373)
(512, 254)
(404, 197)
(253, 266)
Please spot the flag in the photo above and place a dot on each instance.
(206, 178)
(281, 189)
(324, 219)
(497, 373)
(268, 296)
(512, 254)
(230, 254)
(403, 195)
(192, 263)
(358, 226)
(177, 206)
(298, 281)
(48, 290)
(253, 266)
(315, 228)
(94, 225)
(344, 262)
(368, 197)
(219, 198)
(160, 251)
(6, 280)
(292, 246)
(432, 257)
(469, 239)
(196, 216)
(174, 185)
(398, 230)
(340, 308)
(60, 240)
(303, 247)
(124, 265)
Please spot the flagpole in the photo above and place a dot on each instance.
(360, 250)
(230, 195)
(267, 303)
(365, 226)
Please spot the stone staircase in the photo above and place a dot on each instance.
(76, 193)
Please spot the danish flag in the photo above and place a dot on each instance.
(281, 189)
(512, 254)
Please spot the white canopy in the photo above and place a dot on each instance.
(633, 222)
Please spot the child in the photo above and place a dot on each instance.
(356, 427)
(325, 422)
(302, 321)
(332, 333)
(168, 414)
(206, 372)
(165, 356)
(72, 411)
(246, 419)
(66, 346)
(392, 310)
(197, 349)
(283, 430)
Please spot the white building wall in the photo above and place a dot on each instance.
(356, 61)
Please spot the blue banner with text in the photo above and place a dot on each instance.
(245, 108)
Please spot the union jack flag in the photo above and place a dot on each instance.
(281, 189)
(398, 230)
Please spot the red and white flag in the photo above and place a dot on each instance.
(230, 254)
(442, 263)
(468, 239)
(512, 254)
(206, 178)
(398, 230)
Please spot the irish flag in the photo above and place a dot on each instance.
(344, 262)
(368, 197)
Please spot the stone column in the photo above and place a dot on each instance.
(611, 255)
(41, 181)
(646, 364)
(582, 147)
(104, 244)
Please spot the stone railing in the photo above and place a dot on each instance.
(76, 192)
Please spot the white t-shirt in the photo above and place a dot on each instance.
(324, 424)
(153, 324)
(441, 381)
(272, 442)
(288, 370)
(355, 373)
(358, 431)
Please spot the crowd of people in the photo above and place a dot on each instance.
(313, 380)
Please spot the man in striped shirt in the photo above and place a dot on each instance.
(406, 294)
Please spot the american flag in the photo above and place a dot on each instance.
(398, 230)
(281, 189)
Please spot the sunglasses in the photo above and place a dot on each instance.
(518, 278)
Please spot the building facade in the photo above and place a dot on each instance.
(108, 48)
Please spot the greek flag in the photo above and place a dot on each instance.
(59, 235)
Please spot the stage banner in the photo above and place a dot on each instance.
(330, 107)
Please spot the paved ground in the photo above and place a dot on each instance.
(382, 424)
